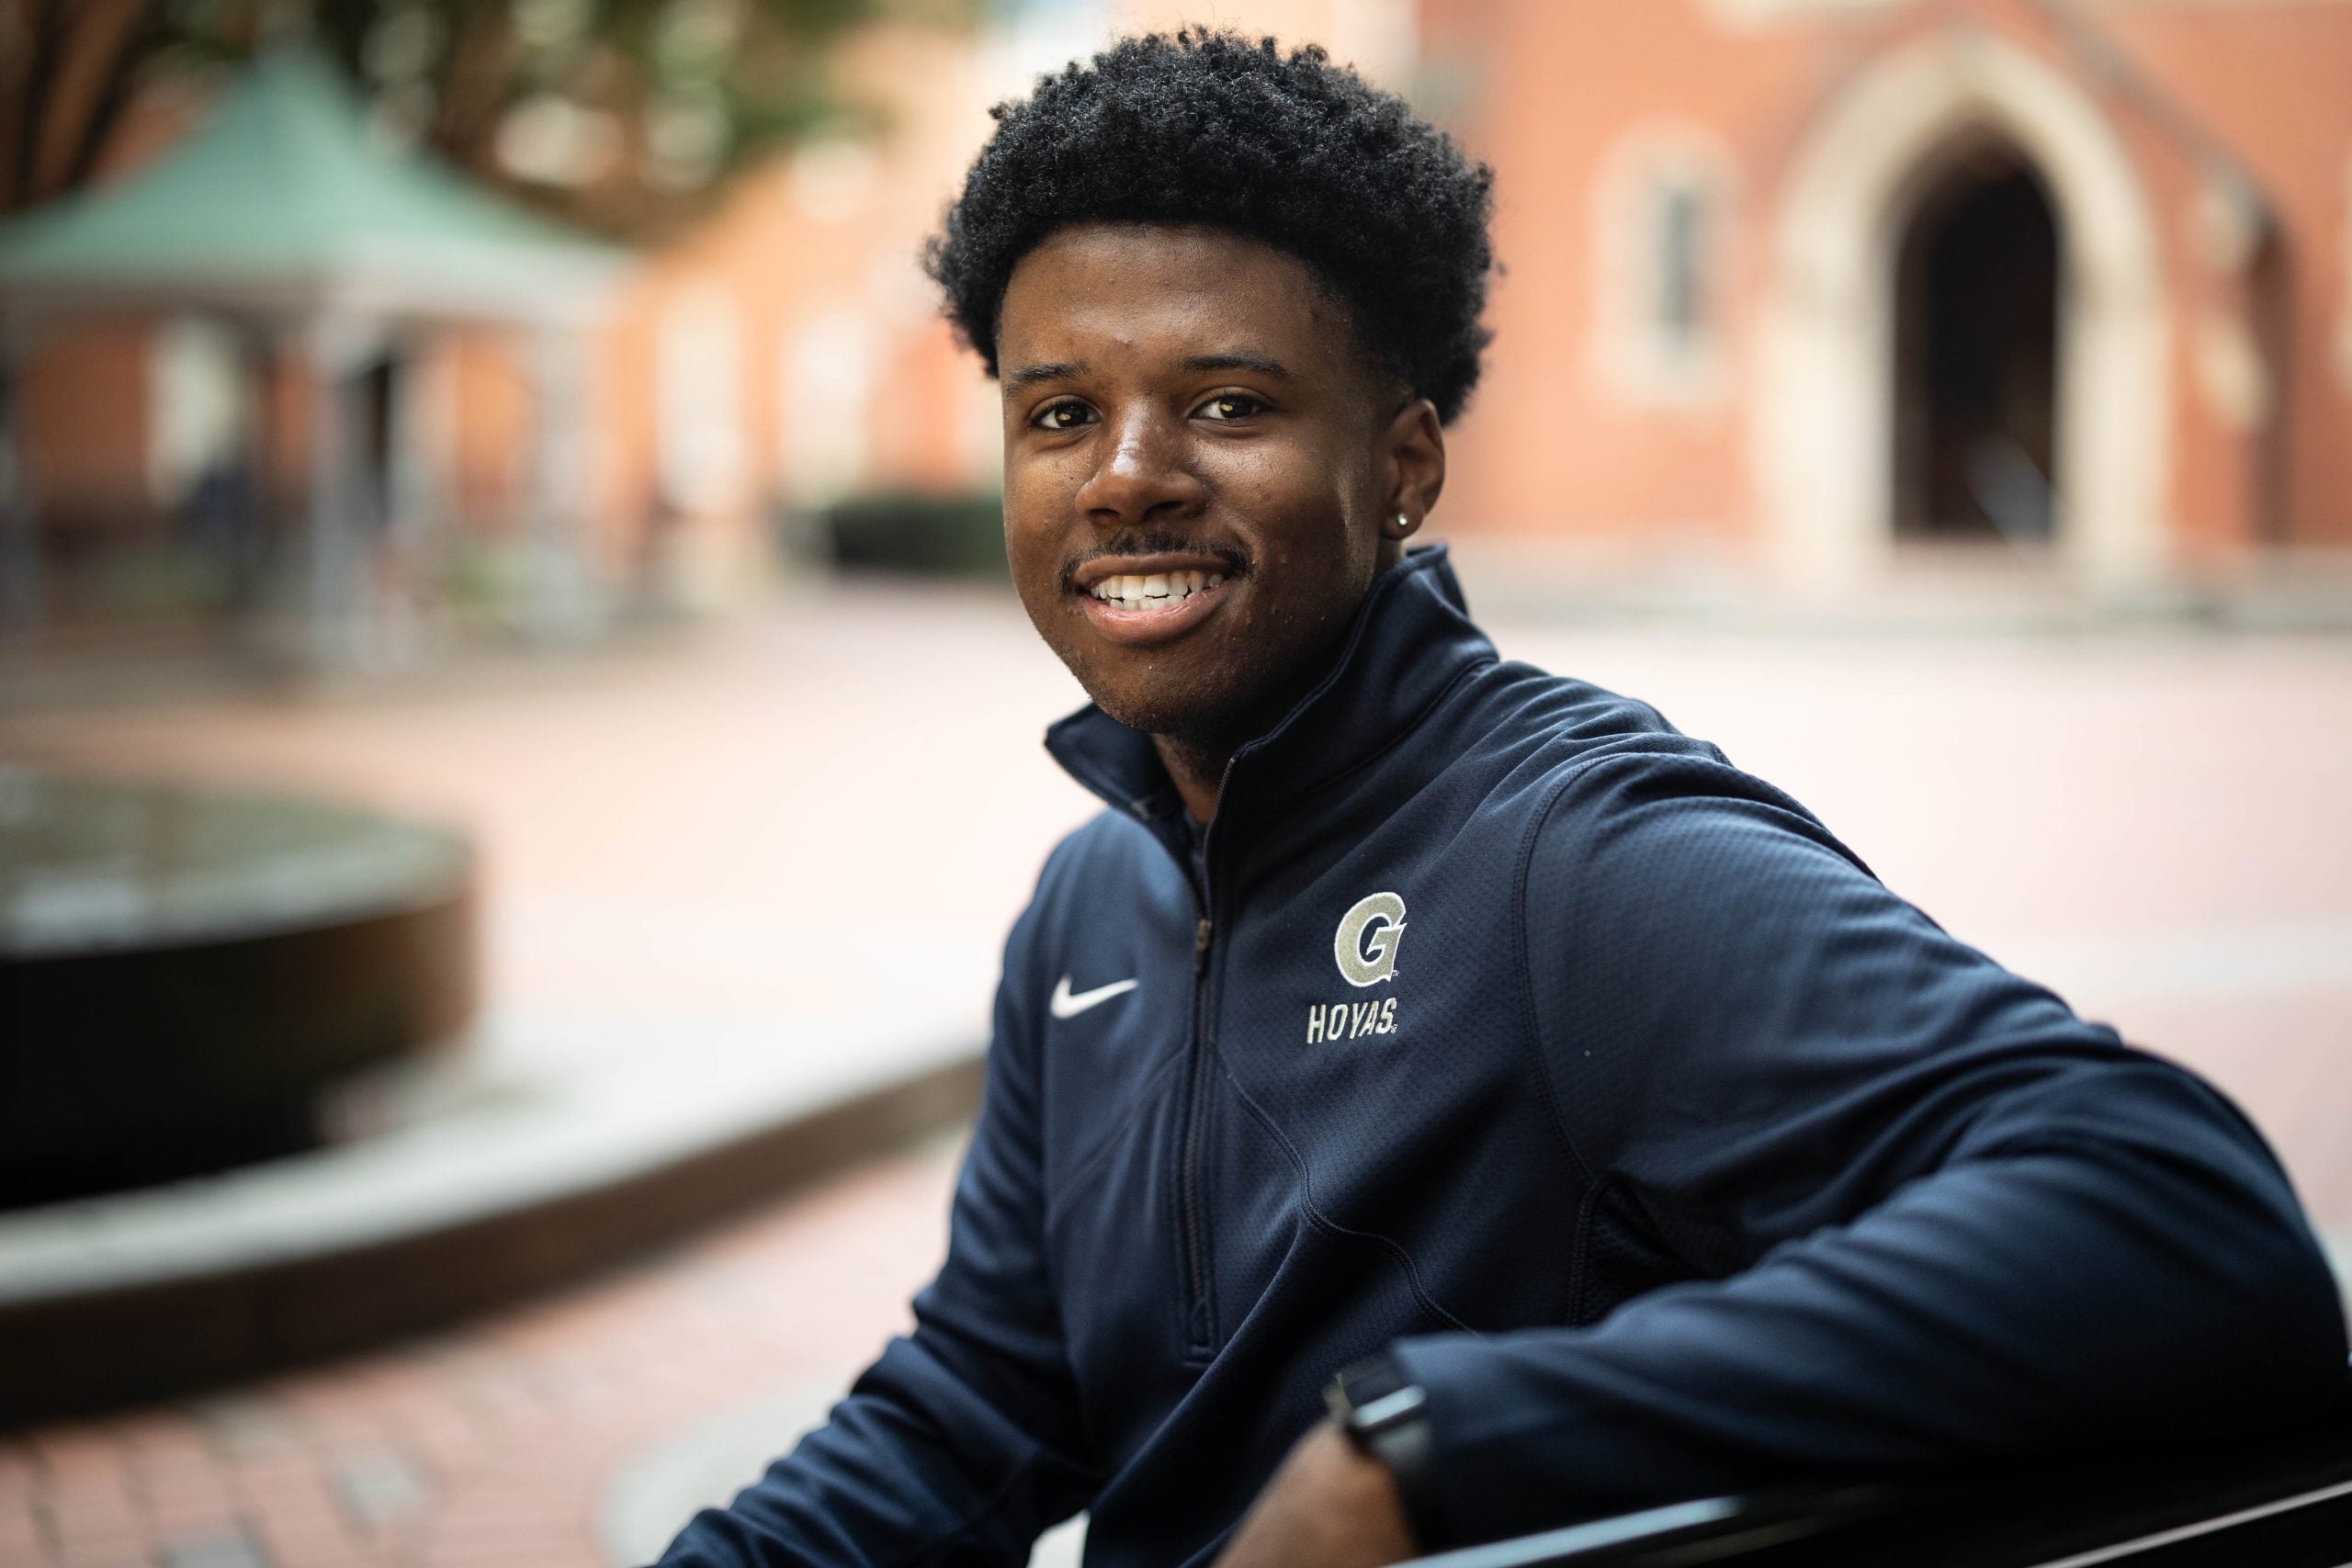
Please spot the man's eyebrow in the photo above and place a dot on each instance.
(1030, 374)
(1264, 365)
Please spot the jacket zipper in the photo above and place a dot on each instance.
(1200, 1336)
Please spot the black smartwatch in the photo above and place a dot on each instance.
(1385, 1414)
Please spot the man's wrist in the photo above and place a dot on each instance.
(1383, 1413)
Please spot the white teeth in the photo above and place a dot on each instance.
(1158, 592)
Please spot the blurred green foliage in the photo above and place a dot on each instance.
(917, 534)
(621, 115)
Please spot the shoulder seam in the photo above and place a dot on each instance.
(1531, 1021)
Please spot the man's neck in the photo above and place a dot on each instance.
(1197, 769)
(1197, 761)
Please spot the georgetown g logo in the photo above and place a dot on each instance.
(1366, 943)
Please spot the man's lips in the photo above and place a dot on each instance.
(1153, 598)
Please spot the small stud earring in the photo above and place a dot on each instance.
(1404, 525)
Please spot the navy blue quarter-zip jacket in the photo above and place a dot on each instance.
(1517, 1034)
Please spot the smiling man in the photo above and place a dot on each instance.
(1436, 1100)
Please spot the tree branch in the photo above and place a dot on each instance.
(40, 85)
(132, 47)
(472, 88)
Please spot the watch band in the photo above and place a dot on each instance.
(1385, 1414)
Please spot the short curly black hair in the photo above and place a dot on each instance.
(1209, 128)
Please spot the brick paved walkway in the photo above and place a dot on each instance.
(495, 1444)
(2154, 823)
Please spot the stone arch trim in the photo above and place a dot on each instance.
(1825, 406)
(1642, 162)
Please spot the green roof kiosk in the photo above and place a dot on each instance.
(282, 216)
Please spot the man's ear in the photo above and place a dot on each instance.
(1415, 446)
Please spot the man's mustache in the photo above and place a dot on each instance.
(1153, 542)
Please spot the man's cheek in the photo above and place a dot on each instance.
(1030, 559)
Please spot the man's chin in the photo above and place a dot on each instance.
(1163, 710)
(1212, 705)
(1152, 716)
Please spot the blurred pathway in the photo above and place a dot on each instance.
(724, 829)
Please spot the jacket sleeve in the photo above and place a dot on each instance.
(1921, 1212)
(961, 1442)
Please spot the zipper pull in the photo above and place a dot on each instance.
(1200, 935)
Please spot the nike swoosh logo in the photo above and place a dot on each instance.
(1065, 1004)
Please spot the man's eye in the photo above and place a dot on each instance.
(1063, 416)
(1231, 406)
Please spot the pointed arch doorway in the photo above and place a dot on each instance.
(1831, 457)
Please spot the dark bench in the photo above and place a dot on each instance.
(2279, 1499)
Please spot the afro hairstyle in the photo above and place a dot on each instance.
(1208, 128)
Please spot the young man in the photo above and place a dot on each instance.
(1434, 1020)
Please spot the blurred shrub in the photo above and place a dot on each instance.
(925, 535)
(481, 576)
(150, 578)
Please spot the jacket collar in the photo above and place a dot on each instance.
(1411, 639)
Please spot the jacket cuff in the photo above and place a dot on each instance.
(1433, 1364)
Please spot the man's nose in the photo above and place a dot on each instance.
(1144, 474)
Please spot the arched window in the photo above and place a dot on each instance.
(829, 376)
(699, 409)
(1662, 230)
(1678, 303)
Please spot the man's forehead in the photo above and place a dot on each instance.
(1181, 296)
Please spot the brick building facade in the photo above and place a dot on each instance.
(1803, 288)
(1806, 280)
